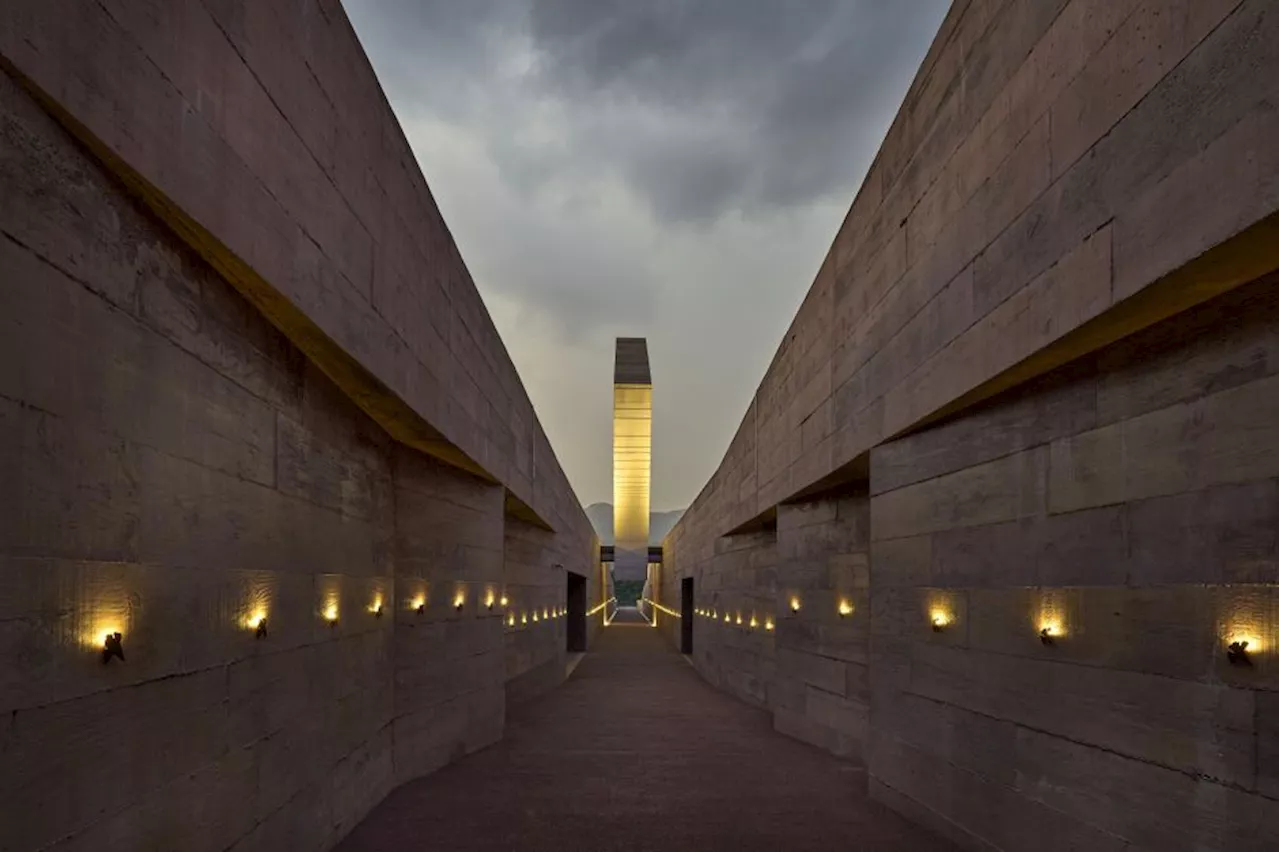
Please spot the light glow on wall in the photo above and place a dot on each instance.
(845, 608)
(632, 447)
(249, 622)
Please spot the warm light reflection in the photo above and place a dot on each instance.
(97, 635)
(1250, 641)
(419, 603)
(250, 621)
(600, 606)
(632, 419)
(376, 606)
(660, 608)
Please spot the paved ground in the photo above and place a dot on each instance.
(636, 752)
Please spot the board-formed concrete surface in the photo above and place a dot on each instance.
(1032, 385)
(245, 377)
(636, 752)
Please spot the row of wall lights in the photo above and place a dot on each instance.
(1238, 648)
(752, 623)
(113, 640)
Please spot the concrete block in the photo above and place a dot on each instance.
(53, 465)
(1004, 489)
(75, 744)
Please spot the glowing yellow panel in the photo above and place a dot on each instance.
(632, 432)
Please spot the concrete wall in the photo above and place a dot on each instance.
(1062, 176)
(1130, 500)
(215, 404)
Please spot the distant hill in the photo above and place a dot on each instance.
(660, 523)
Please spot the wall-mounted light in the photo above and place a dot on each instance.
(503, 601)
(112, 646)
(546, 613)
(768, 624)
(1048, 633)
(845, 608)
(511, 619)
(257, 622)
(754, 624)
(726, 618)
(524, 618)
(331, 614)
(458, 600)
(419, 604)
(1238, 653)
(738, 619)
(376, 607)
(535, 615)
(795, 604)
(938, 620)
(488, 600)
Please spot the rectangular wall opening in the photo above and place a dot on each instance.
(686, 615)
(576, 602)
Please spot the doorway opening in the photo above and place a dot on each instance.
(686, 615)
(576, 603)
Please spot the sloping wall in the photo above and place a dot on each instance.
(244, 376)
(1060, 177)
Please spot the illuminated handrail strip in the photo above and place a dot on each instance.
(601, 606)
(660, 608)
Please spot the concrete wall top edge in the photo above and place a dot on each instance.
(1022, 211)
(273, 136)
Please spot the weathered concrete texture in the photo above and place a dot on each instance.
(172, 468)
(1061, 176)
(737, 584)
(635, 752)
(1032, 200)
(260, 133)
(175, 467)
(1131, 500)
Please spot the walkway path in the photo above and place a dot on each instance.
(636, 752)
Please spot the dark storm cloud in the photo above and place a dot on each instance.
(749, 105)
(780, 91)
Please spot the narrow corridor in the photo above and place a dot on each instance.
(636, 752)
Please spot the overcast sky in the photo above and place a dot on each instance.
(668, 169)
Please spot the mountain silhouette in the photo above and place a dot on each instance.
(660, 523)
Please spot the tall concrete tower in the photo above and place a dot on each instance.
(632, 430)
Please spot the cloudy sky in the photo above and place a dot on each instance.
(669, 169)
